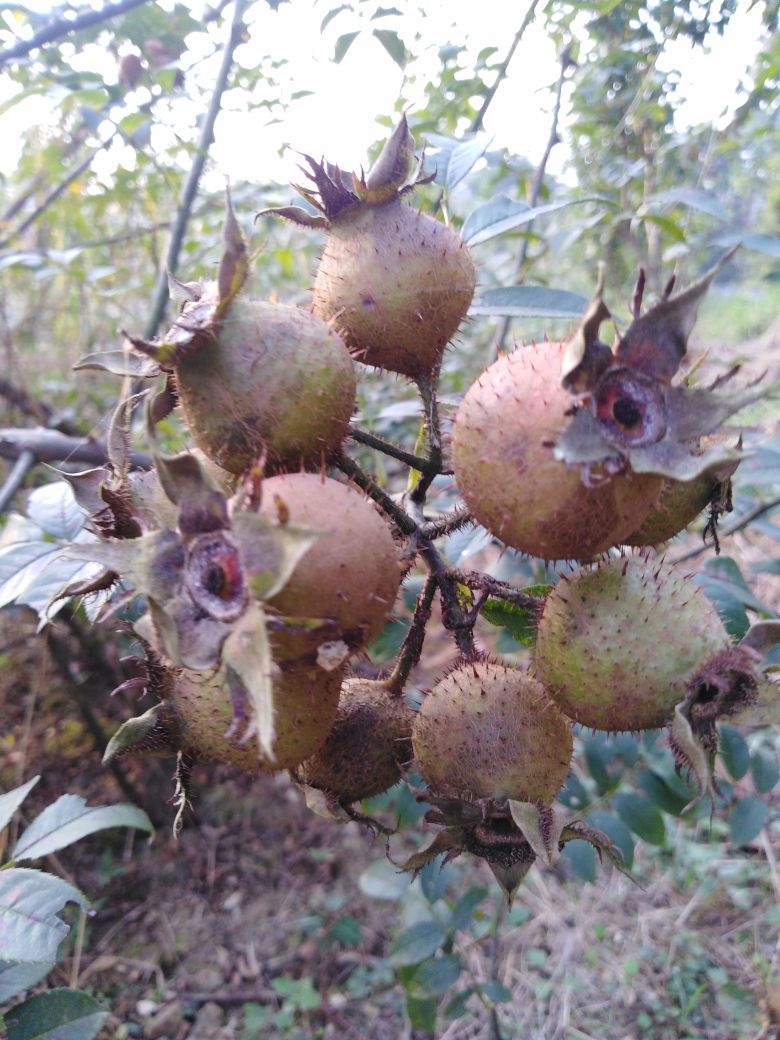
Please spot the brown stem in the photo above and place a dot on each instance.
(738, 525)
(191, 187)
(453, 616)
(28, 405)
(392, 511)
(446, 524)
(476, 123)
(427, 387)
(415, 637)
(408, 458)
(499, 589)
(19, 471)
(64, 27)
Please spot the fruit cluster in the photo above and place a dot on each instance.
(267, 559)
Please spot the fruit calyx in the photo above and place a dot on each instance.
(628, 415)
(396, 172)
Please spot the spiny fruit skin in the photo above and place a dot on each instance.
(370, 740)
(272, 378)
(487, 730)
(512, 483)
(351, 575)
(396, 283)
(616, 643)
(306, 699)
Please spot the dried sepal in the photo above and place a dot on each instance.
(181, 795)
(761, 637)
(234, 265)
(442, 842)
(297, 215)
(586, 356)
(577, 830)
(119, 363)
(542, 826)
(270, 552)
(202, 506)
(247, 653)
(322, 803)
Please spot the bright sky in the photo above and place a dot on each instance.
(338, 120)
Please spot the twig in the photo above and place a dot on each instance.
(407, 457)
(51, 446)
(191, 187)
(499, 589)
(16, 478)
(446, 524)
(738, 525)
(57, 190)
(75, 967)
(64, 27)
(536, 189)
(427, 387)
(28, 405)
(401, 519)
(495, 949)
(453, 617)
(476, 123)
(415, 637)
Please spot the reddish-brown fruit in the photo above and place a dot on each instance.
(396, 283)
(352, 573)
(617, 643)
(503, 439)
(487, 730)
(370, 740)
(271, 379)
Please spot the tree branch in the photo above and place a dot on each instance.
(179, 228)
(16, 478)
(407, 457)
(738, 525)
(28, 405)
(401, 519)
(476, 123)
(64, 27)
(51, 446)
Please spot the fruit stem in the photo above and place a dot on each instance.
(446, 523)
(427, 387)
(499, 589)
(401, 519)
(407, 457)
(453, 616)
(415, 637)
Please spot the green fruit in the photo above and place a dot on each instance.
(617, 643)
(487, 730)
(370, 740)
(396, 283)
(503, 440)
(352, 573)
(268, 379)
(305, 703)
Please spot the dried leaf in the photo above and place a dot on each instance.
(234, 265)
(119, 363)
(586, 357)
(298, 215)
(450, 838)
(541, 827)
(247, 652)
(393, 167)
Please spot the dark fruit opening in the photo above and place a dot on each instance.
(215, 580)
(706, 693)
(626, 412)
(499, 841)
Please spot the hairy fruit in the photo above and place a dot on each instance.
(352, 574)
(369, 742)
(489, 731)
(617, 644)
(503, 437)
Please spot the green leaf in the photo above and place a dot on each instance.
(343, 43)
(70, 819)
(11, 800)
(422, 1013)
(381, 880)
(581, 858)
(503, 214)
(642, 817)
(456, 1008)
(463, 157)
(616, 831)
(529, 301)
(54, 508)
(299, 992)
(658, 791)
(724, 584)
(347, 931)
(763, 765)
(416, 943)
(495, 992)
(674, 230)
(696, 198)
(57, 1014)
(463, 911)
(760, 243)
(734, 751)
(435, 976)
(597, 758)
(519, 622)
(17, 976)
(746, 820)
(393, 44)
(30, 931)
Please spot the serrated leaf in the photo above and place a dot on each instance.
(30, 931)
(519, 622)
(11, 800)
(734, 751)
(747, 819)
(529, 301)
(70, 819)
(642, 816)
(696, 198)
(416, 943)
(57, 1014)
